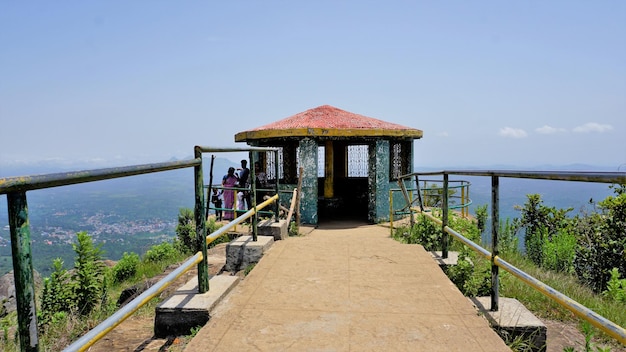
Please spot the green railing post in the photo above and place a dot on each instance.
(255, 219)
(203, 269)
(23, 271)
(495, 226)
(277, 204)
(444, 223)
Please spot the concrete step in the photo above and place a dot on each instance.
(513, 320)
(187, 309)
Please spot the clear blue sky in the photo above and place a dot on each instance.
(489, 82)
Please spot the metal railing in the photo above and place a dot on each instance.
(16, 187)
(95, 334)
(610, 328)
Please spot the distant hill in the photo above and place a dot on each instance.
(126, 214)
(134, 213)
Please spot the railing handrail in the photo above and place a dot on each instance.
(595, 319)
(581, 311)
(95, 334)
(584, 176)
(33, 182)
(16, 187)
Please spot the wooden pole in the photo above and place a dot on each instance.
(294, 199)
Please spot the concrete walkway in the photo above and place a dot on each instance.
(346, 289)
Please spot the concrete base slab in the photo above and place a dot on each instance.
(453, 258)
(269, 227)
(512, 320)
(187, 309)
(243, 251)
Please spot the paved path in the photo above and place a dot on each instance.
(346, 289)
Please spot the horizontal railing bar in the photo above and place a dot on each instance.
(118, 317)
(28, 183)
(594, 318)
(122, 314)
(583, 176)
(224, 229)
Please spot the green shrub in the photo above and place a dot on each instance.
(126, 267)
(559, 252)
(424, 232)
(471, 276)
(161, 252)
(186, 231)
(89, 275)
(616, 287)
(57, 296)
(541, 223)
(507, 236)
(481, 217)
(602, 244)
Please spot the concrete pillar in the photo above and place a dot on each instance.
(378, 181)
(308, 161)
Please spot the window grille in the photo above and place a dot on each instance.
(399, 160)
(270, 167)
(358, 160)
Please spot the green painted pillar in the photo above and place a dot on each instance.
(23, 271)
(378, 181)
(308, 162)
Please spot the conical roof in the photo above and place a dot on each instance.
(328, 121)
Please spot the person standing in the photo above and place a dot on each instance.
(217, 203)
(244, 175)
(228, 181)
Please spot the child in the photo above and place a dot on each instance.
(217, 202)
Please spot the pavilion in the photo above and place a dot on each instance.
(349, 161)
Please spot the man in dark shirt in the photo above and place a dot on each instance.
(244, 174)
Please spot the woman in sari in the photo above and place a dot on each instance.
(229, 180)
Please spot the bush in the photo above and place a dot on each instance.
(540, 223)
(186, 231)
(424, 232)
(126, 267)
(57, 296)
(89, 276)
(616, 287)
(161, 252)
(602, 244)
(559, 253)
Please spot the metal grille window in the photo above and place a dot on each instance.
(321, 161)
(358, 160)
(270, 167)
(399, 160)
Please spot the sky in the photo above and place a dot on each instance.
(522, 83)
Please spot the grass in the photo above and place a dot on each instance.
(567, 284)
(544, 307)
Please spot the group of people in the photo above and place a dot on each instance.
(241, 181)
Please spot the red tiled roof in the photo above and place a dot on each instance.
(329, 117)
(328, 120)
